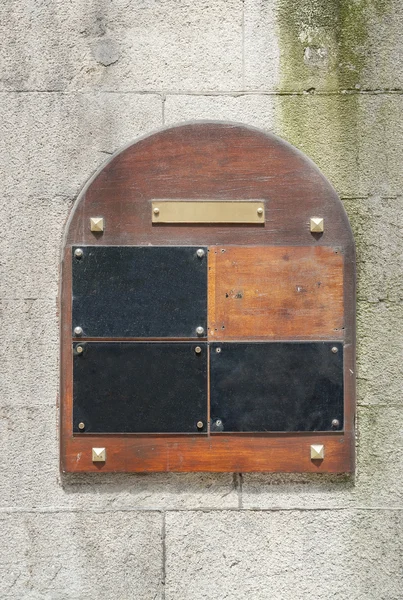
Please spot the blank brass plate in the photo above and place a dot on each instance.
(210, 211)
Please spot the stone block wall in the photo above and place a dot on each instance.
(78, 80)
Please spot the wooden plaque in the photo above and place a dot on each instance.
(208, 310)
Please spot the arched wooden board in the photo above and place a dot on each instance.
(306, 288)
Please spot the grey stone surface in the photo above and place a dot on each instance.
(66, 556)
(50, 143)
(284, 554)
(379, 354)
(324, 45)
(30, 364)
(356, 140)
(377, 225)
(77, 82)
(261, 45)
(122, 45)
(257, 110)
(30, 254)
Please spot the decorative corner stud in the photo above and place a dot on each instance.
(99, 455)
(317, 452)
(96, 224)
(317, 225)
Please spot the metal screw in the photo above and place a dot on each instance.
(197, 349)
(335, 423)
(78, 253)
(218, 422)
(200, 424)
(199, 330)
(156, 211)
(200, 253)
(260, 211)
(79, 349)
(81, 425)
(335, 350)
(218, 350)
(78, 330)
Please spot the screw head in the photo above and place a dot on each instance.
(81, 425)
(156, 211)
(260, 211)
(198, 350)
(199, 330)
(335, 350)
(200, 424)
(78, 330)
(218, 350)
(78, 253)
(335, 423)
(218, 422)
(79, 349)
(200, 253)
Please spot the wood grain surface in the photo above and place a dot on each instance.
(280, 292)
(223, 161)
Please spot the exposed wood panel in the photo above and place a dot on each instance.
(210, 161)
(276, 293)
(214, 453)
(222, 161)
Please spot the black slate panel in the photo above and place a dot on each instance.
(139, 291)
(277, 386)
(139, 387)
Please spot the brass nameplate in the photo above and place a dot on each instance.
(208, 211)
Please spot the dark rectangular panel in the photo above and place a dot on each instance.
(277, 386)
(139, 387)
(139, 291)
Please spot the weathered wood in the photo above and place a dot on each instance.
(219, 161)
(215, 453)
(266, 292)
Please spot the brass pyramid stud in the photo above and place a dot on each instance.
(317, 452)
(317, 225)
(96, 224)
(98, 454)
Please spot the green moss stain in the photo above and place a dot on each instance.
(325, 43)
(324, 46)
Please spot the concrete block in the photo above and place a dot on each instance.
(277, 491)
(50, 144)
(29, 352)
(261, 45)
(283, 554)
(380, 456)
(323, 46)
(66, 556)
(355, 140)
(31, 252)
(29, 465)
(257, 110)
(164, 491)
(377, 225)
(379, 354)
(147, 45)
